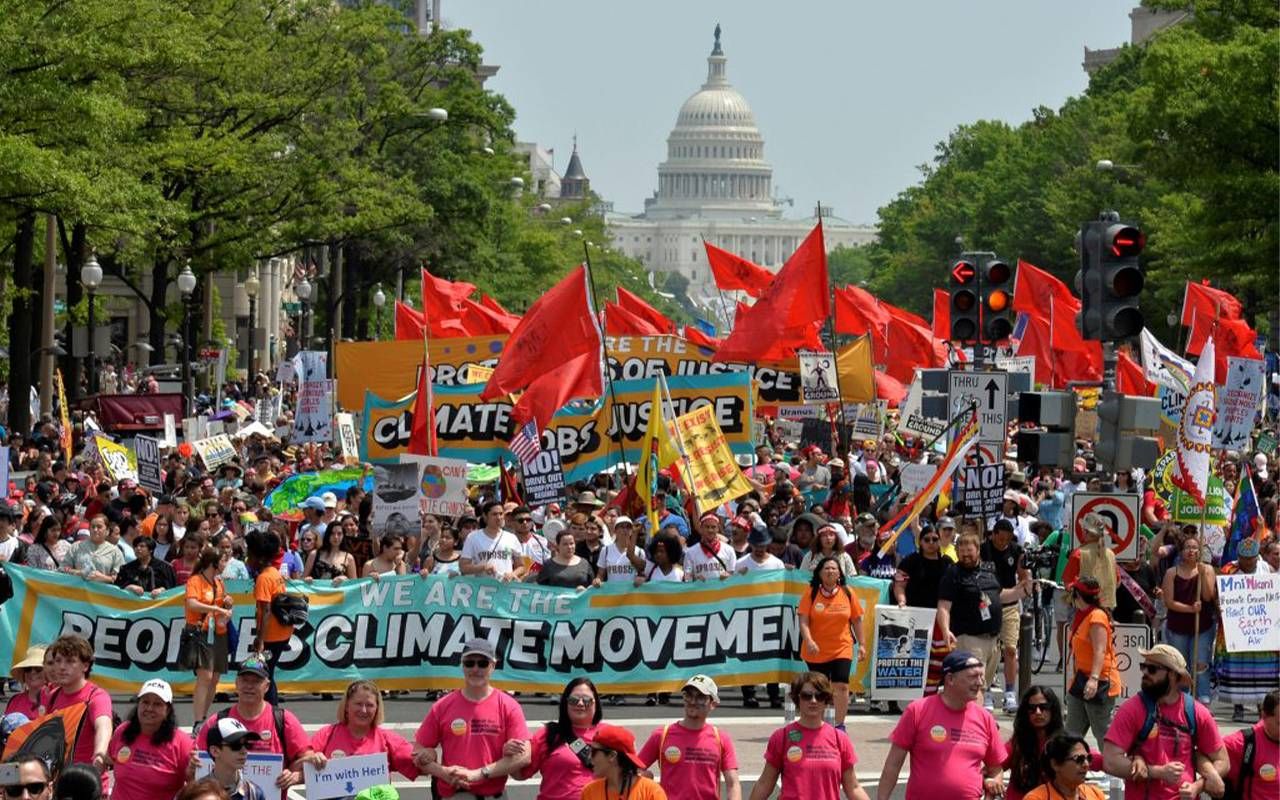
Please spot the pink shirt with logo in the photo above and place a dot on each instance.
(472, 735)
(55, 698)
(23, 704)
(1265, 782)
(336, 741)
(811, 760)
(691, 761)
(948, 748)
(1168, 741)
(563, 774)
(296, 742)
(146, 771)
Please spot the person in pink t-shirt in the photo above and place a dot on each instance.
(693, 754)
(561, 750)
(1262, 782)
(955, 746)
(1161, 767)
(67, 664)
(480, 731)
(359, 732)
(151, 756)
(814, 759)
(30, 673)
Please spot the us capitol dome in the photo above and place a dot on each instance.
(716, 184)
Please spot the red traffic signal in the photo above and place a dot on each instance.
(1124, 241)
(963, 272)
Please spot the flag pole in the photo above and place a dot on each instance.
(608, 374)
(841, 444)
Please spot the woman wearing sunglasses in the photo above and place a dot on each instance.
(814, 759)
(1039, 719)
(560, 751)
(149, 753)
(359, 732)
(1066, 758)
(617, 768)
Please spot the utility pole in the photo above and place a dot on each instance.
(46, 312)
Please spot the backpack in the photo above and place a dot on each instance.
(290, 609)
(277, 715)
(1188, 709)
(1236, 790)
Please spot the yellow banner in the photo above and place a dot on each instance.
(64, 436)
(479, 374)
(856, 372)
(707, 464)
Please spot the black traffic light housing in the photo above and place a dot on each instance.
(963, 288)
(997, 300)
(1110, 280)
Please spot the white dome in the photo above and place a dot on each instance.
(716, 107)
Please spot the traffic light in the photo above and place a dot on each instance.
(1055, 411)
(997, 300)
(964, 301)
(1118, 447)
(1110, 280)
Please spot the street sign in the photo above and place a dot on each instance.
(1120, 511)
(989, 390)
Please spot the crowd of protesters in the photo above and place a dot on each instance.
(816, 512)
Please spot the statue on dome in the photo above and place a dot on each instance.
(716, 49)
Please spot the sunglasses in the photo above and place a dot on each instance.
(32, 789)
(1152, 669)
(580, 701)
(524, 519)
(931, 538)
(1079, 758)
(1039, 707)
(476, 663)
(236, 746)
(810, 696)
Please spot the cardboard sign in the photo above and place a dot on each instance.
(1250, 607)
(346, 777)
(544, 479)
(215, 451)
(148, 453)
(347, 441)
(442, 484)
(818, 380)
(707, 463)
(983, 492)
(915, 477)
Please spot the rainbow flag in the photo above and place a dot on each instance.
(965, 438)
(1246, 518)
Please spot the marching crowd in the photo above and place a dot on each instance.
(822, 514)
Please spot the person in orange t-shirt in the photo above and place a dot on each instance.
(1092, 693)
(829, 628)
(207, 600)
(271, 636)
(617, 768)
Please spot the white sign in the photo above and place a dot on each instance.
(170, 432)
(867, 419)
(346, 777)
(442, 483)
(1250, 606)
(284, 371)
(148, 452)
(1026, 364)
(800, 412)
(347, 438)
(4, 472)
(313, 418)
(818, 381)
(193, 428)
(1120, 513)
(1127, 639)
(990, 391)
(261, 769)
(1238, 403)
(215, 451)
(902, 652)
(264, 410)
(915, 477)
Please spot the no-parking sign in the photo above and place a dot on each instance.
(1118, 511)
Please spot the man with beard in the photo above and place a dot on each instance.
(1161, 737)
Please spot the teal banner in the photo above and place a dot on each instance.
(408, 632)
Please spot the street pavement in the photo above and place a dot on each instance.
(749, 729)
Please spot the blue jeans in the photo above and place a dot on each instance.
(1182, 643)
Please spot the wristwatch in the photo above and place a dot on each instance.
(485, 772)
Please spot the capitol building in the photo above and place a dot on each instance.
(716, 185)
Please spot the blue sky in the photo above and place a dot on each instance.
(851, 97)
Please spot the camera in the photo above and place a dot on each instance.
(1036, 558)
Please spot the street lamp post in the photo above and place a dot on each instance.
(91, 277)
(186, 286)
(251, 287)
(303, 290)
(379, 300)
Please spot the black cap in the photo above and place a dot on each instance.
(959, 661)
(164, 500)
(1003, 525)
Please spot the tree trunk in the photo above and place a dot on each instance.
(22, 324)
(352, 291)
(159, 288)
(74, 253)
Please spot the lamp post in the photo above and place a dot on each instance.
(379, 300)
(303, 290)
(251, 288)
(186, 286)
(91, 277)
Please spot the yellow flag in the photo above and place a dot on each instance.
(857, 375)
(656, 452)
(708, 466)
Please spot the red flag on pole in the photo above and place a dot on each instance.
(941, 314)
(422, 434)
(620, 321)
(732, 272)
(638, 307)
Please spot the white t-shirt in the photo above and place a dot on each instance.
(617, 566)
(500, 551)
(535, 548)
(700, 564)
(655, 575)
(749, 564)
(8, 547)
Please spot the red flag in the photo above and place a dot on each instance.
(555, 354)
(638, 307)
(889, 388)
(790, 313)
(1131, 378)
(510, 490)
(909, 343)
(1041, 294)
(410, 323)
(619, 321)
(1056, 366)
(1205, 301)
(859, 312)
(735, 272)
(941, 314)
(1231, 337)
(443, 298)
(422, 433)
(695, 336)
(481, 320)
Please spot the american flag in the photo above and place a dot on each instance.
(526, 444)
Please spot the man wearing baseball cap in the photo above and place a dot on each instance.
(229, 743)
(623, 559)
(277, 730)
(955, 746)
(1149, 743)
(693, 754)
(464, 740)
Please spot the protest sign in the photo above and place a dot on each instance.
(707, 464)
(170, 432)
(911, 416)
(148, 459)
(1238, 403)
(192, 428)
(260, 769)
(442, 484)
(983, 490)
(346, 430)
(313, 416)
(118, 460)
(901, 652)
(916, 476)
(408, 632)
(544, 479)
(1266, 443)
(478, 374)
(264, 410)
(867, 419)
(818, 380)
(284, 371)
(395, 499)
(346, 776)
(1250, 606)
(215, 451)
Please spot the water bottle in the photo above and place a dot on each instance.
(788, 709)
(829, 716)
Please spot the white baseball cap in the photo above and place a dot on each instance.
(703, 684)
(159, 688)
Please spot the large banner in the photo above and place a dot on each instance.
(407, 632)
(390, 369)
(586, 436)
